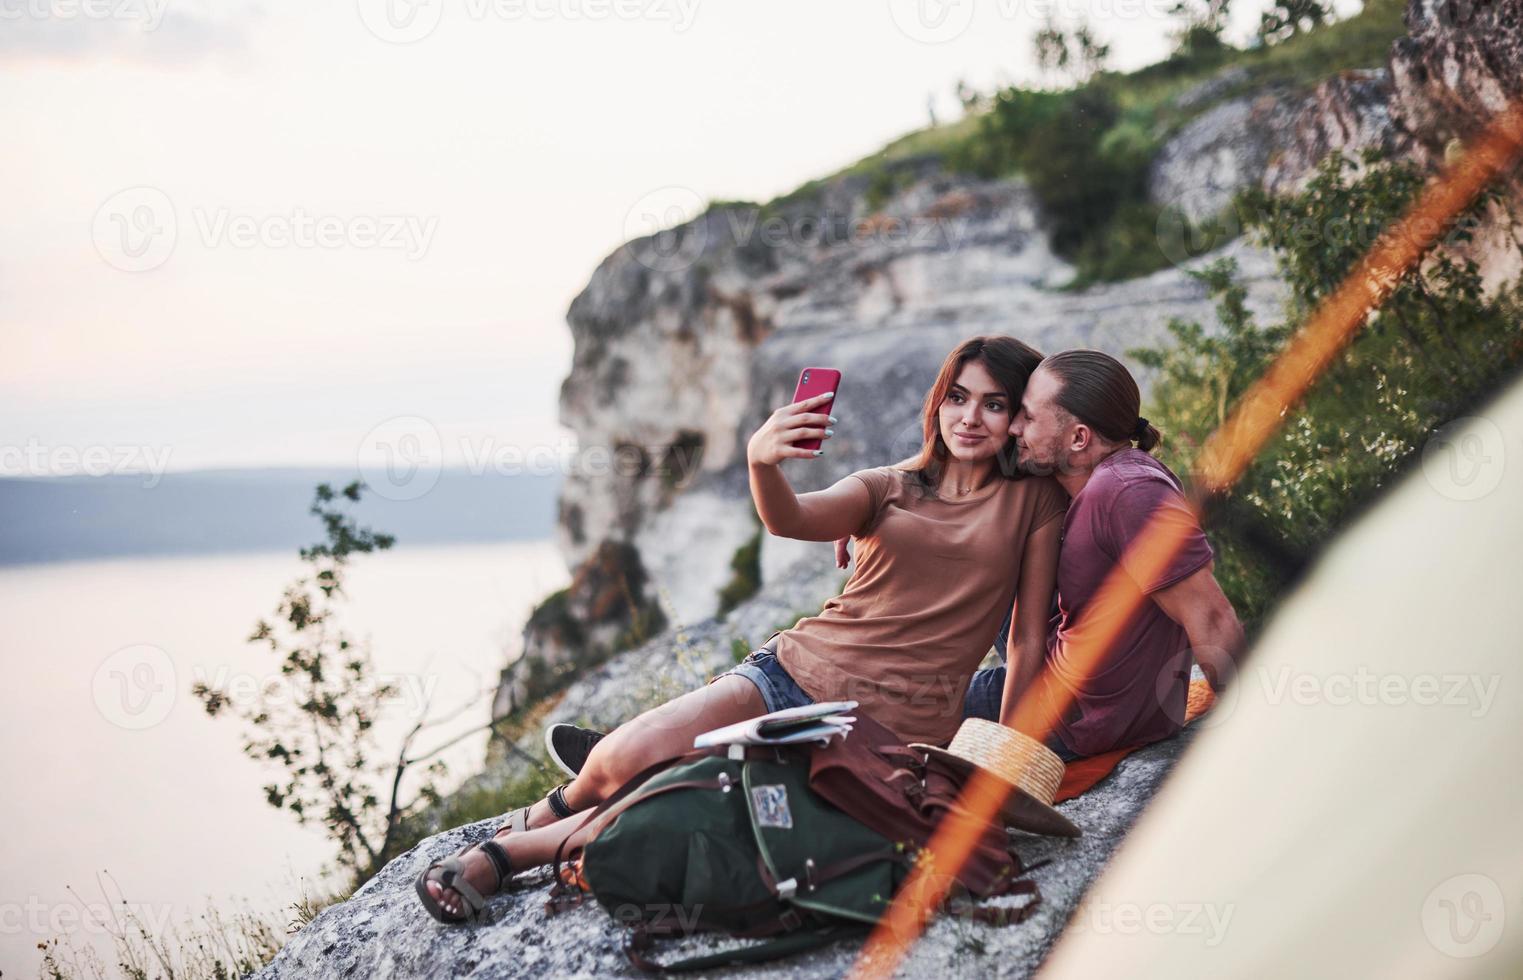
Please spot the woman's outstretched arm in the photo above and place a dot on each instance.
(1027, 649)
(819, 516)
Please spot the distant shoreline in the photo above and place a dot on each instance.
(48, 520)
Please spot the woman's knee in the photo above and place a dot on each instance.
(661, 733)
(612, 762)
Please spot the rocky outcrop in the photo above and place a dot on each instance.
(1349, 113)
(1460, 64)
(1224, 150)
(604, 610)
(382, 931)
(700, 334)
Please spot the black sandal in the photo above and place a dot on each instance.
(518, 820)
(450, 873)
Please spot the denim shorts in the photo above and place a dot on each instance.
(985, 693)
(778, 690)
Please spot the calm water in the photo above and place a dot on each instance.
(110, 764)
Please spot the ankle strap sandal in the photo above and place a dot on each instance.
(450, 873)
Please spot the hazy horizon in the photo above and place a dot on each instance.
(251, 511)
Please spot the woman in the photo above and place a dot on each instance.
(945, 543)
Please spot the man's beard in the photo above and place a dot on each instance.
(1031, 466)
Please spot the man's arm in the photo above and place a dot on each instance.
(1027, 649)
(1197, 603)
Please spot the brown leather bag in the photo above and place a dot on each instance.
(878, 780)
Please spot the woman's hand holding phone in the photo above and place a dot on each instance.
(798, 422)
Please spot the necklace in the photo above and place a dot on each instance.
(962, 491)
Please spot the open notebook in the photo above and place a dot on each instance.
(805, 723)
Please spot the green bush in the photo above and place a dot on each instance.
(745, 579)
(1087, 164)
(1086, 151)
(1432, 351)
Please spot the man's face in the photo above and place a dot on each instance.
(1041, 427)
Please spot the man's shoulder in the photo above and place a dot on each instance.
(1130, 468)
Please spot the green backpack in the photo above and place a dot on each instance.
(741, 846)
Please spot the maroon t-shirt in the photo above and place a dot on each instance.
(1138, 694)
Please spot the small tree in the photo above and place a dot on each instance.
(971, 99)
(1201, 25)
(1287, 18)
(1078, 55)
(316, 720)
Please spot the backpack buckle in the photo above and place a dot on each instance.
(787, 888)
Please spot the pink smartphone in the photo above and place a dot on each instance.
(816, 381)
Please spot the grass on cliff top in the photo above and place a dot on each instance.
(1361, 41)
(1120, 122)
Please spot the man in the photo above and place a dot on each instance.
(1079, 423)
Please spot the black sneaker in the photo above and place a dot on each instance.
(569, 746)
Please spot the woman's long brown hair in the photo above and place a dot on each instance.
(1010, 363)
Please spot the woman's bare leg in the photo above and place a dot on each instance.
(659, 733)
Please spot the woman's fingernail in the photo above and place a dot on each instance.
(828, 394)
(830, 432)
(834, 420)
(819, 452)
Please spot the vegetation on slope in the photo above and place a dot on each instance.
(1086, 149)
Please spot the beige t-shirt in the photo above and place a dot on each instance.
(934, 578)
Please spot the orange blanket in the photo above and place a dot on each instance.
(1082, 774)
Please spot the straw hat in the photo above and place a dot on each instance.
(1031, 768)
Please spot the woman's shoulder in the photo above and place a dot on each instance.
(884, 483)
(1042, 494)
(879, 474)
(1035, 487)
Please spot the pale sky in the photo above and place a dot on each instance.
(166, 285)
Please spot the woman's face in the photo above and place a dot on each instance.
(975, 416)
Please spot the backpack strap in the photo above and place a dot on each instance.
(815, 877)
